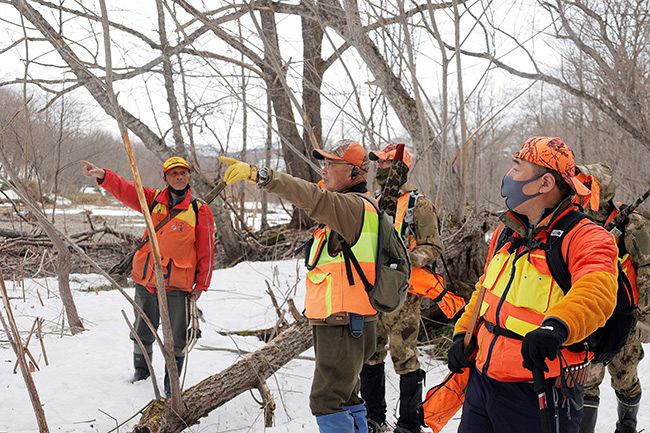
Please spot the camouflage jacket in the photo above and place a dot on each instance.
(428, 245)
(637, 244)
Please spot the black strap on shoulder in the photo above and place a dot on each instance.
(506, 235)
(557, 265)
(195, 206)
(349, 257)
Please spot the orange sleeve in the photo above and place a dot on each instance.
(463, 321)
(592, 255)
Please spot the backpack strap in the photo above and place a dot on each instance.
(195, 205)
(557, 265)
(507, 235)
(349, 257)
(409, 221)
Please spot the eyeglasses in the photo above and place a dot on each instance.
(327, 164)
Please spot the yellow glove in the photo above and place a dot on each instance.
(238, 170)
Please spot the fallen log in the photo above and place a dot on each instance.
(209, 394)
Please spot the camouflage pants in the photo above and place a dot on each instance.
(398, 332)
(622, 369)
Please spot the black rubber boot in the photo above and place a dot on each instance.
(627, 409)
(373, 391)
(179, 366)
(410, 398)
(141, 369)
(590, 414)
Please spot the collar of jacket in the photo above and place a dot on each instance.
(163, 198)
(520, 224)
(361, 187)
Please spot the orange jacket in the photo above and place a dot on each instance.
(521, 293)
(186, 242)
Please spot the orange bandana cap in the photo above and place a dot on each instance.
(555, 154)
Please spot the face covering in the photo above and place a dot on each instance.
(381, 175)
(179, 191)
(513, 191)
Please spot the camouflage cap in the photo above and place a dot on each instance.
(599, 178)
(345, 150)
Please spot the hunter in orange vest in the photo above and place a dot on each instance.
(634, 255)
(336, 304)
(526, 321)
(417, 222)
(186, 243)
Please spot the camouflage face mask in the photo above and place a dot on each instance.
(382, 175)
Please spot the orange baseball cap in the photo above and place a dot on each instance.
(388, 154)
(345, 150)
(555, 154)
(175, 161)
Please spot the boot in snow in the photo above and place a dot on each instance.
(589, 415)
(410, 398)
(141, 369)
(373, 391)
(373, 427)
(179, 366)
(627, 409)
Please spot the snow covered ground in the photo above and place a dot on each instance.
(86, 386)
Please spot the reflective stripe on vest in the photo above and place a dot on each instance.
(177, 241)
(328, 289)
(529, 291)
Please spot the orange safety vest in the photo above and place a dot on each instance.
(328, 289)
(519, 290)
(424, 282)
(177, 241)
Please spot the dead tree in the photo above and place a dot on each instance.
(240, 377)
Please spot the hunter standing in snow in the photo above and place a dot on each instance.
(416, 221)
(343, 321)
(634, 250)
(186, 246)
(527, 322)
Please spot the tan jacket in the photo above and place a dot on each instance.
(341, 212)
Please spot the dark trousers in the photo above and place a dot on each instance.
(492, 406)
(339, 359)
(177, 306)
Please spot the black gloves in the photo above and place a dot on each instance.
(457, 355)
(544, 342)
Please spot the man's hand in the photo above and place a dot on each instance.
(238, 170)
(91, 170)
(458, 355)
(196, 293)
(543, 343)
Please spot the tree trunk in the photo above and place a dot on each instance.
(224, 229)
(240, 377)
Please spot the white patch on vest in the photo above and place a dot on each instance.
(557, 232)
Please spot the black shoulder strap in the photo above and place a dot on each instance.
(504, 237)
(556, 264)
(349, 256)
(195, 206)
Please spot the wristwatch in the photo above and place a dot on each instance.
(263, 175)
